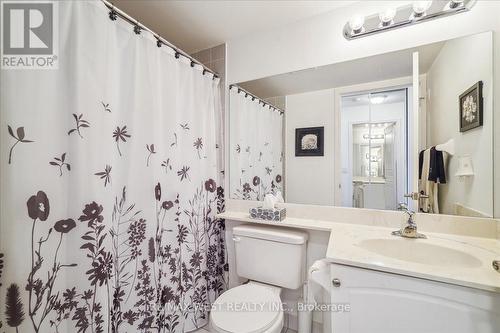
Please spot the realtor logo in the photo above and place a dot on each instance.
(29, 35)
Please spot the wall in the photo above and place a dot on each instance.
(318, 41)
(460, 64)
(310, 180)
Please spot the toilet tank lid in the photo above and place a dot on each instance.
(277, 234)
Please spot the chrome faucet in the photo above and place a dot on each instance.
(410, 229)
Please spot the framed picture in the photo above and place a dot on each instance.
(471, 107)
(309, 141)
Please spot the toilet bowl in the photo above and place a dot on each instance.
(250, 308)
(271, 258)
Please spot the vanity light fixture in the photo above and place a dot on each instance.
(356, 24)
(413, 13)
(420, 9)
(387, 17)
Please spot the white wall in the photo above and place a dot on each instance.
(310, 179)
(460, 64)
(318, 41)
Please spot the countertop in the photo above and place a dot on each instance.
(345, 247)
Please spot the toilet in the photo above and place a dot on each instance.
(271, 258)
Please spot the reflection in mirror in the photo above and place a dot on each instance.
(456, 110)
(378, 149)
(256, 155)
(374, 149)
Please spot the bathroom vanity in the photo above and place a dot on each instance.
(392, 284)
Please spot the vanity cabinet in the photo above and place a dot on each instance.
(389, 303)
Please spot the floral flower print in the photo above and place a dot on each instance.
(278, 178)
(64, 226)
(60, 162)
(158, 192)
(210, 185)
(183, 173)
(92, 213)
(106, 175)
(38, 206)
(268, 170)
(151, 150)
(198, 144)
(246, 188)
(19, 138)
(238, 148)
(256, 181)
(80, 123)
(120, 134)
(167, 205)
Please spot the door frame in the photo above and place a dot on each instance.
(402, 82)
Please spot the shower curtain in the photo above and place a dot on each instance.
(256, 155)
(110, 185)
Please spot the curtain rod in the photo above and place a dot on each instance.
(247, 93)
(138, 27)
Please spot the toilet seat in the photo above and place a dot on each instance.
(250, 308)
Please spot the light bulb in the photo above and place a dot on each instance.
(455, 3)
(420, 7)
(387, 16)
(356, 23)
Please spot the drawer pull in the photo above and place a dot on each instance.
(336, 283)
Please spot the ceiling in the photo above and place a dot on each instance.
(197, 25)
(376, 68)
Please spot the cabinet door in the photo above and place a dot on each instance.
(389, 303)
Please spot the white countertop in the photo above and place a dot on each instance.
(344, 248)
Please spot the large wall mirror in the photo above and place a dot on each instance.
(413, 126)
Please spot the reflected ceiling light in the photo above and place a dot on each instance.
(379, 99)
(356, 24)
(454, 4)
(387, 17)
(420, 8)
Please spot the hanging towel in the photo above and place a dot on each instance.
(436, 166)
(425, 186)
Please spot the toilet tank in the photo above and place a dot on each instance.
(270, 255)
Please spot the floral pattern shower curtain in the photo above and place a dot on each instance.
(109, 185)
(256, 152)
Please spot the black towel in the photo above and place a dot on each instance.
(436, 166)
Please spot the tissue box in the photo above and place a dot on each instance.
(271, 214)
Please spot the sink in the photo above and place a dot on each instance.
(420, 251)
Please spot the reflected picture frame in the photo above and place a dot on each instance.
(470, 106)
(309, 141)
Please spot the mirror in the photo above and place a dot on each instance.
(372, 132)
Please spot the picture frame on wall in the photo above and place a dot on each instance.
(309, 141)
(471, 107)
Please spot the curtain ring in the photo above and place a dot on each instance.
(112, 13)
(158, 42)
(137, 28)
(192, 63)
(177, 55)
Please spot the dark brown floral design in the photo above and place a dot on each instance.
(64, 226)
(151, 150)
(198, 144)
(120, 134)
(256, 181)
(106, 175)
(246, 188)
(158, 192)
(278, 178)
(210, 185)
(106, 107)
(183, 173)
(19, 138)
(38, 206)
(167, 205)
(80, 123)
(60, 162)
(166, 164)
